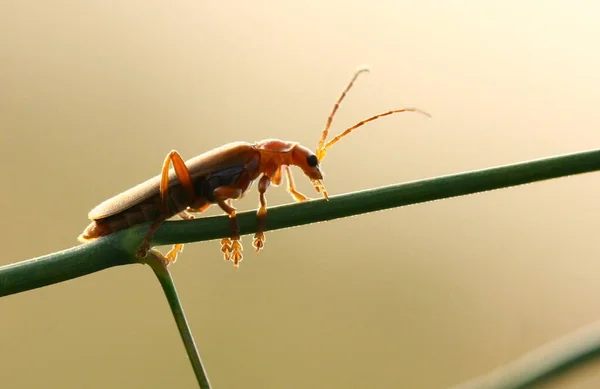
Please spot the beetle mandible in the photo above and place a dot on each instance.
(218, 177)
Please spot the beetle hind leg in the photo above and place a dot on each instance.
(185, 178)
(144, 247)
(170, 257)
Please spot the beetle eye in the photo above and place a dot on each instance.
(312, 160)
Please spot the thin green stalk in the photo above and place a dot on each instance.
(117, 249)
(64, 265)
(166, 281)
(543, 364)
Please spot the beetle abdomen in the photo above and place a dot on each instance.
(148, 210)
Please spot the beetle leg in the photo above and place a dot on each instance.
(171, 256)
(230, 247)
(261, 214)
(291, 188)
(184, 177)
(200, 209)
(143, 248)
(183, 174)
(277, 177)
(185, 215)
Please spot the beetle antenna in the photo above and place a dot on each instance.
(323, 149)
(335, 108)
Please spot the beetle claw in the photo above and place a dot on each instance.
(259, 241)
(236, 258)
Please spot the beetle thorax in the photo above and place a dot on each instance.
(274, 153)
(275, 145)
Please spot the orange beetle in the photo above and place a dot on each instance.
(217, 177)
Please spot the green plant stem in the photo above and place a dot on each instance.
(168, 286)
(543, 364)
(386, 197)
(63, 265)
(117, 249)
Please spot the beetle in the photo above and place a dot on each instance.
(218, 177)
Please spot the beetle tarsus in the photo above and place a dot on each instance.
(236, 253)
(291, 188)
(171, 256)
(259, 241)
(299, 197)
(232, 250)
(226, 248)
(232, 247)
(236, 243)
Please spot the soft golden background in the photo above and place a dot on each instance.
(94, 94)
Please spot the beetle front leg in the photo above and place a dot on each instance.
(230, 247)
(261, 214)
(277, 177)
(291, 188)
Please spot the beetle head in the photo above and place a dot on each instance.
(306, 160)
(310, 162)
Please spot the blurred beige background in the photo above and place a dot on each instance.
(94, 94)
